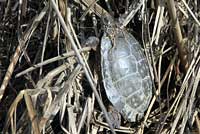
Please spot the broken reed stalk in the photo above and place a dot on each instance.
(83, 65)
(178, 34)
(54, 59)
(32, 113)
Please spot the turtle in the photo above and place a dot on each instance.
(125, 73)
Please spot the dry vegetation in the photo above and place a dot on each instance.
(48, 76)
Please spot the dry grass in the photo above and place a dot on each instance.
(48, 76)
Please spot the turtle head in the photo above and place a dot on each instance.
(92, 42)
(108, 22)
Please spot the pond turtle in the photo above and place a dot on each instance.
(125, 73)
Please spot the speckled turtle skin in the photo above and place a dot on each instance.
(126, 75)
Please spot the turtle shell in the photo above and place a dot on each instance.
(126, 75)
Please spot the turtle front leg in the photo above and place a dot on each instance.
(112, 38)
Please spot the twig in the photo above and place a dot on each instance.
(135, 8)
(60, 57)
(160, 22)
(54, 108)
(190, 11)
(32, 114)
(120, 129)
(83, 116)
(183, 86)
(182, 10)
(98, 10)
(197, 123)
(182, 109)
(83, 64)
(168, 69)
(78, 43)
(90, 111)
(88, 9)
(11, 110)
(192, 98)
(20, 48)
(178, 34)
(45, 39)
